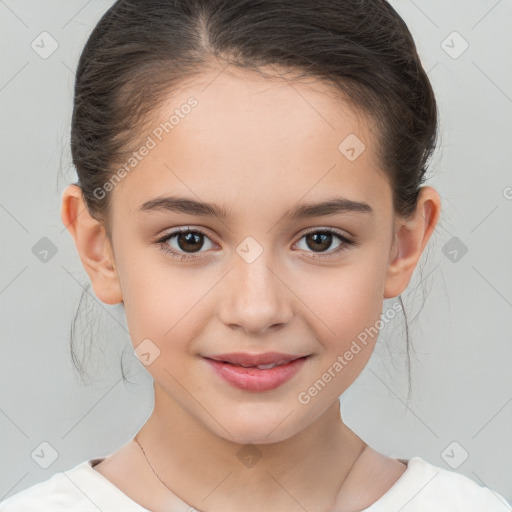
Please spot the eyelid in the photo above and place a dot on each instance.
(336, 231)
(183, 229)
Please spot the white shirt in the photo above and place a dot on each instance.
(421, 488)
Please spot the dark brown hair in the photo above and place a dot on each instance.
(141, 50)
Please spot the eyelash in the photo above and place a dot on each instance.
(164, 246)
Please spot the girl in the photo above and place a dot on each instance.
(251, 189)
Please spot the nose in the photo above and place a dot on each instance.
(255, 298)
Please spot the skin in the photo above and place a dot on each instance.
(257, 146)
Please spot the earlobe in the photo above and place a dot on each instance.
(410, 240)
(93, 245)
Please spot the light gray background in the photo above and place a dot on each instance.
(462, 390)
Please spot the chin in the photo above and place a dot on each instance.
(267, 429)
(255, 438)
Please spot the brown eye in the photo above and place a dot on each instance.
(321, 240)
(183, 243)
(190, 242)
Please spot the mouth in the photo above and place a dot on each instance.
(262, 361)
(268, 366)
(256, 376)
(261, 366)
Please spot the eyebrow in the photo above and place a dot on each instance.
(185, 205)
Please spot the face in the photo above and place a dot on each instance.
(253, 277)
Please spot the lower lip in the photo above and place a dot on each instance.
(253, 379)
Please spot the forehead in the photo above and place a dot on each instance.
(236, 138)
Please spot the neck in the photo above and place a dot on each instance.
(304, 471)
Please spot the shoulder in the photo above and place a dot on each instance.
(79, 489)
(56, 493)
(424, 486)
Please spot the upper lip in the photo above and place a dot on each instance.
(246, 359)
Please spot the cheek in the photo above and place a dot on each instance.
(347, 307)
(163, 305)
(343, 301)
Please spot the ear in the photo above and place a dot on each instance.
(92, 244)
(411, 238)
